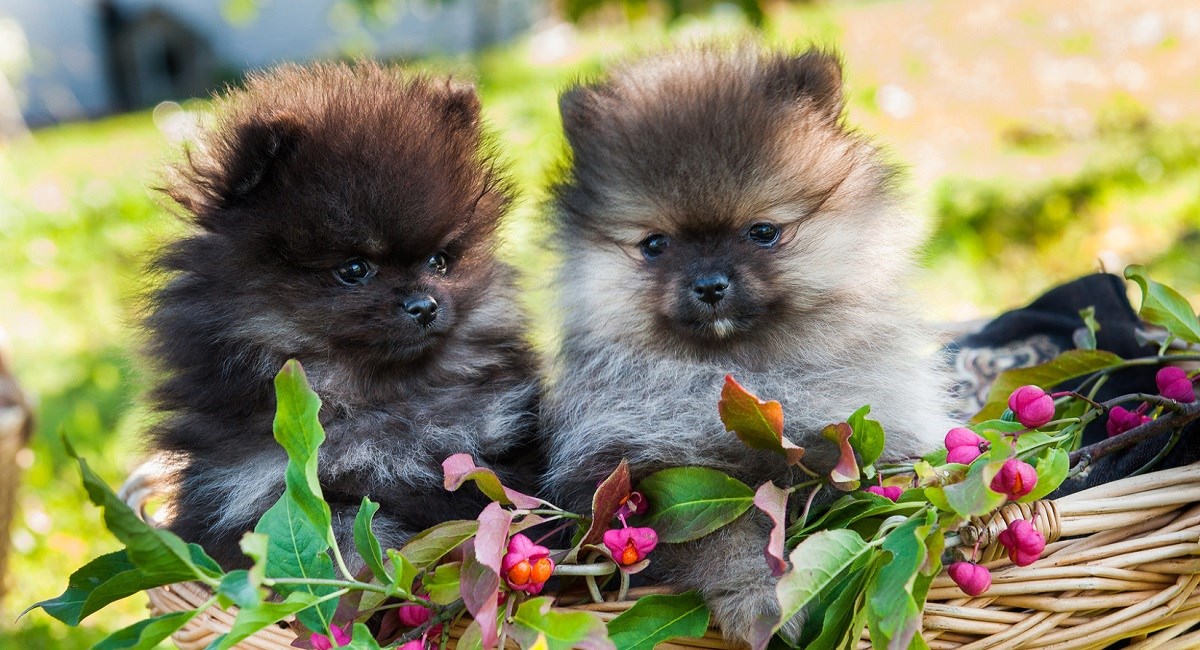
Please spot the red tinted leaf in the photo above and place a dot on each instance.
(480, 588)
(491, 541)
(612, 491)
(757, 423)
(479, 581)
(773, 501)
(460, 468)
(845, 474)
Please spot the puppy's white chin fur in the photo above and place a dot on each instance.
(724, 327)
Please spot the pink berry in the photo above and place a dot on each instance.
(891, 492)
(1032, 406)
(1015, 479)
(1173, 383)
(971, 578)
(1121, 420)
(1024, 542)
(964, 455)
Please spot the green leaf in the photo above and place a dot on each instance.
(430, 545)
(687, 503)
(443, 583)
(755, 422)
(298, 525)
(297, 550)
(999, 427)
(893, 614)
(837, 629)
(1164, 306)
(1085, 337)
(471, 639)
(851, 508)
(253, 619)
(1052, 467)
(103, 581)
(366, 542)
(657, 618)
(972, 497)
(256, 546)
(817, 563)
(236, 588)
(362, 639)
(147, 634)
(562, 630)
(406, 573)
(868, 435)
(155, 552)
(1066, 366)
(298, 429)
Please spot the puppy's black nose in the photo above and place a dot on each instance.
(423, 309)
(710, 288)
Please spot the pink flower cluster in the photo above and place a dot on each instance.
(1016, 477)
(526, 566)
(629, 545)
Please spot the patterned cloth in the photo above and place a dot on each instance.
(1043, 329)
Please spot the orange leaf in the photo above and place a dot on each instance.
(757, 423)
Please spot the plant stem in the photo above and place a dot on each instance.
(554, 530)
(1162, 453)
(808, 505)
(349, 585)
(806, 470)
(546, 511)
(1185, 414)
(341, 562)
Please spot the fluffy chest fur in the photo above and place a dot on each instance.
(612, 401)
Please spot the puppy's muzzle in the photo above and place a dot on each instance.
(710, 288)
(422, 309)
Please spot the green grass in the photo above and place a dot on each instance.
(77, 221)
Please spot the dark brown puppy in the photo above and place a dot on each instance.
(345, 217)
(718, 217)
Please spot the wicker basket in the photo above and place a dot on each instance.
(16, 424)
(1122, 562)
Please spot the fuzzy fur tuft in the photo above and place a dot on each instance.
(304, 169)
(698, 146)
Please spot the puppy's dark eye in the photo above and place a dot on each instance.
(653, 246)
(354, 271)
(438, 263)
(763, 234)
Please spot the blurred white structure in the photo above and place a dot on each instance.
(92, 57)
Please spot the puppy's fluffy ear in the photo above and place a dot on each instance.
(231, 162)
(814, 77)
(577, 106)
(460, 103)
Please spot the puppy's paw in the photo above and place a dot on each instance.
(748, 615)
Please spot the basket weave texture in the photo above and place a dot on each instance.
(1122, 561)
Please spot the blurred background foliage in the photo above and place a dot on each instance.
(1044, 139)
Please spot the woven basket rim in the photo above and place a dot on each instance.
(1122, 559)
